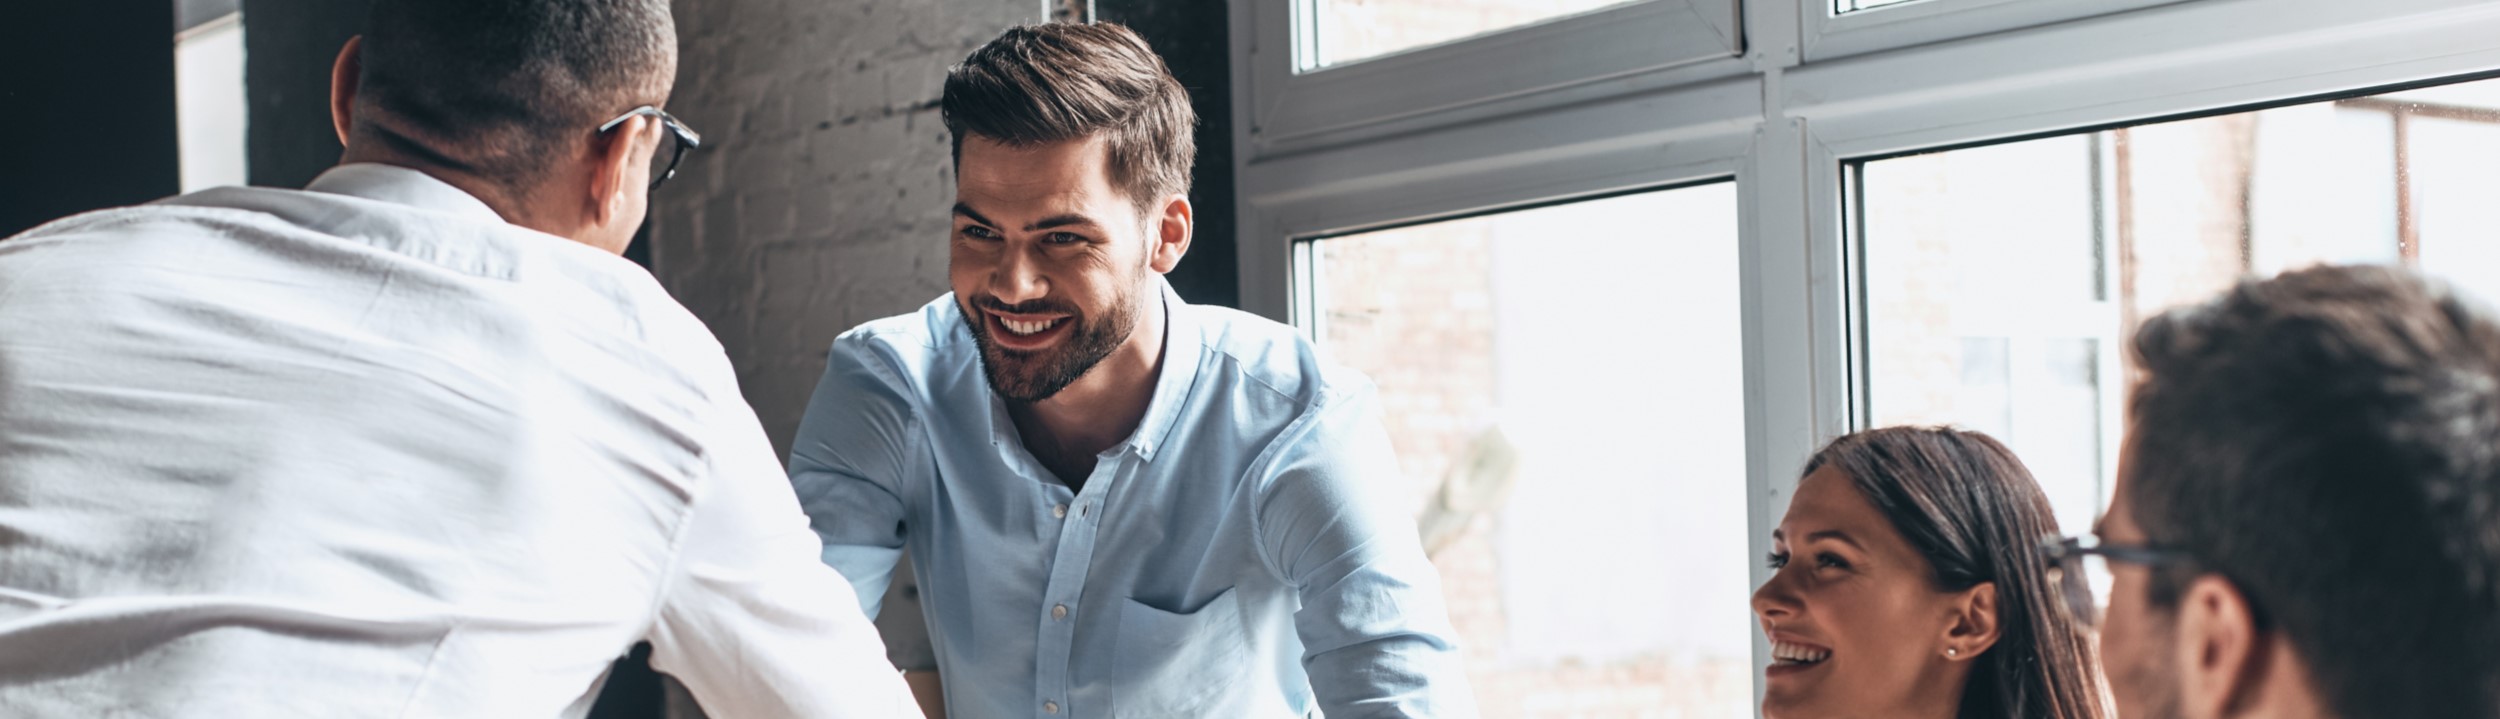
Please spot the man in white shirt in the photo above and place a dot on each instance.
(412, 442)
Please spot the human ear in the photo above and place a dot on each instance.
(613, 156)
(1975, 626)
(346, 78)
(2219, 656)
(1173, 231)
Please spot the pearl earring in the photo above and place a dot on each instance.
(1951, 652)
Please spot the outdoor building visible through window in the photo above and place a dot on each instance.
(1564, 386)
(1342, 31)
(2001, 283)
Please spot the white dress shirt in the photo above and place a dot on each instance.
(366, 450)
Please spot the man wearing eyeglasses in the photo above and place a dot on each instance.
(2307, 516)
(413, 441)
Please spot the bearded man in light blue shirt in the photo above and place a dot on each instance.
(1118, 504)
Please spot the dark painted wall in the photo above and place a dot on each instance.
(86, 108)
(1191, 36)
(288, 47)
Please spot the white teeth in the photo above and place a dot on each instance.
(1025, 328)
(1798, 654)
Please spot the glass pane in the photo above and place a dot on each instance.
(2002, 282)
(1343, 31)
(1574, 434)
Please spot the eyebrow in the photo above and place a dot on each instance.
(1060, 221)
(1836, 535)
(966, 210)
(1053, 221)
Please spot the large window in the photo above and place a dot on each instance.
(2002, 282)
(1925, 211)
(1557, 383)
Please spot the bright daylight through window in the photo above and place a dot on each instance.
(208, 97)
(1343, 31)
(1561, 387)
(2000, 283)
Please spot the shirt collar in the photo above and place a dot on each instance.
(1182, 347)
(403, 186)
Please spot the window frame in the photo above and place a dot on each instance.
(1645, 44)
(1831, 35)
(1786, 122)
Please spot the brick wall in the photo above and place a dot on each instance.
(820, 198)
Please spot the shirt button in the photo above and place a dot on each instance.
(1059, 511)
(1059, 612)
(1050, 707)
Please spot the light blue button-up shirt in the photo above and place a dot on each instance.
(1246, 553)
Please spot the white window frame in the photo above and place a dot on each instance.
(1783, 123)
(1656, 42)
(1829, 35)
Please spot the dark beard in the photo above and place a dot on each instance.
(1035, 376)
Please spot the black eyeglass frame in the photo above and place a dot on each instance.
(687, 138)
(2065, 555)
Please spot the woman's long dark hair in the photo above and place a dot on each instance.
(1975, 513)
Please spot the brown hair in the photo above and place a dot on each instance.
(1055, 82)
(1973, 510)
(2328, 441)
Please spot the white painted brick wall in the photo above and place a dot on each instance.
(819, 200)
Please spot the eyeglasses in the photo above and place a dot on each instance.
(2080, 567)
(687, 138)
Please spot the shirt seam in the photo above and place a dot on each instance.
(1263, 466)
(433, 663)
(671, 573)
(915, 425)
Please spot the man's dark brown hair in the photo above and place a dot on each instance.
(1041, 84)
(2328, 441)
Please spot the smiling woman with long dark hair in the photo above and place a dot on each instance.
(1908, 583)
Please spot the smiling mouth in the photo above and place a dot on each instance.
(1028, 328)
(1786, 654)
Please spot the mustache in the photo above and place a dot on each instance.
(1028, 307)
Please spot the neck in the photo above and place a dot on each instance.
(1103, 408)
(512, 205)
(1942, 694)
(2280, 687)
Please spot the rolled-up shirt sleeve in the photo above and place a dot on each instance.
(856, 448)
(1376, 635)
(750, 620)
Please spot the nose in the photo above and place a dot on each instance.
(1018, 278)
(1776, 600)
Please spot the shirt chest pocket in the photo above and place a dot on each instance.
(1180, 664)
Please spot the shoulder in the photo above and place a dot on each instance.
(880, 380)
(903, 351)
(136, 238)
(1271, 362)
